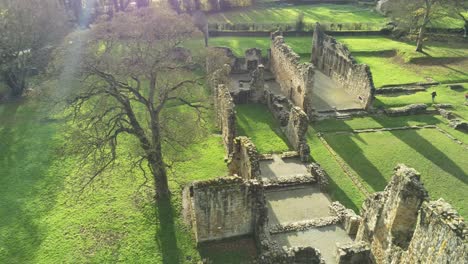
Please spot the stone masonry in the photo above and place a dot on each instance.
(295, 78)
(335, 61)
(244, 160)
(224, 107)
(401, 226)
(223, 208)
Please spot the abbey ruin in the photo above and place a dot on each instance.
(281, 199)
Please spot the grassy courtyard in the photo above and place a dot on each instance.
(256, 122)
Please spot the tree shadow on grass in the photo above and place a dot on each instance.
(429, 151)
(166, 232)
(356, 160)
(24, 163)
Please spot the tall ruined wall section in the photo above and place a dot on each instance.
(401, 226)
(294, 77)
(244, 160)
(335, 60)
(224, 106)
(223, 208)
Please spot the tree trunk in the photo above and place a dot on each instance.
(422, 30)
(465, 29)
(16, 83)
(155, 158)
(419, 44)
(206, 34)
(159, 174)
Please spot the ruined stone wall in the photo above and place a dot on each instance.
(244, 160)
(293, 121)
(248, 63)
(295, 78)
(296, 131)
(401, 226)
(224, 106)
(223, 208)
(440, 236)
(335, 61)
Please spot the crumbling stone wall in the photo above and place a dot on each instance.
(335, 61)
(296, 131)
(224, 106)
(401, 226)
(295, 78)
(223, 208)
(252, 58)
(293, 121)
(440, 236)
(244, 160)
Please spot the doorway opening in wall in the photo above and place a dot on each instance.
(252, 65)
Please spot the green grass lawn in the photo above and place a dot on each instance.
(444, 95)
(442, 62)
(324, 13)
(341, 187)
(441, 162)
(43, 220)
(301, 45)
(256, 122)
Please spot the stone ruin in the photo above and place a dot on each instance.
(336, 61)
(397, 225)
(295, 78)
(293, 121)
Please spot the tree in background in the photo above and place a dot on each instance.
(300, 22)
(201, 22)
(416, 15)
(134, 74)
(27, 27)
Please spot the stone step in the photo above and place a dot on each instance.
(288, 181)
(304, 225)
(323, 238)
(294, 204)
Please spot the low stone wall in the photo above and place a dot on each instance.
(401, 226)
(224, 107)
(354, 253)
(348, 218)
(295, 78)
(412, 109)
(335, 60)
(249, 62)
(223, 208)
(244, 160)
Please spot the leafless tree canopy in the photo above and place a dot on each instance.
(134, 74)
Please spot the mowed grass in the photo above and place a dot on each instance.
(441, 162)
(301, 45)
(444, 95)
(256, 122)
(325, 13)
(441, 62)
(44, 220)
(341, 187)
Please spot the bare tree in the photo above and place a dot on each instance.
(26, 27)
(418, 15)
(134, 72)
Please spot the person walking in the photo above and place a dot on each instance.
(433, 94)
